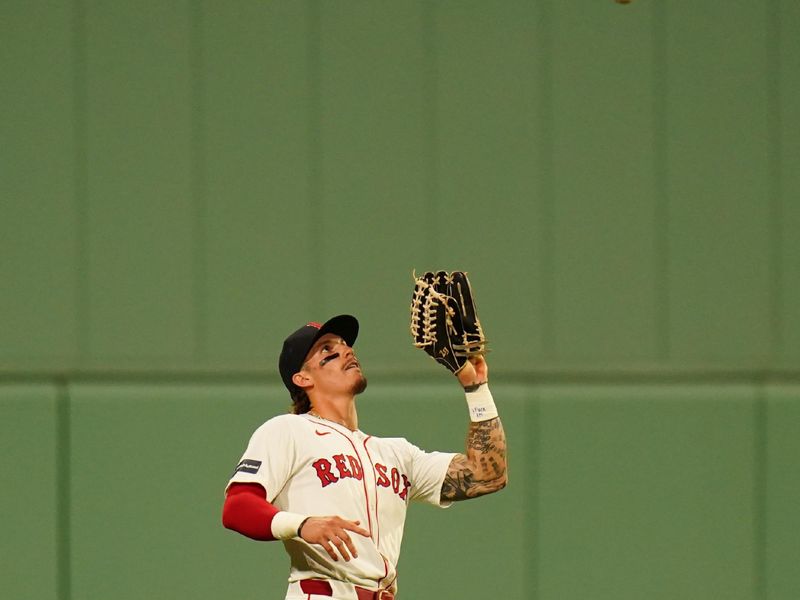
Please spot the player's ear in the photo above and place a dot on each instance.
(301, 379)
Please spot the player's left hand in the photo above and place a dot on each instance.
(475, 371)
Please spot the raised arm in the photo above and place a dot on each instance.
(483, 469)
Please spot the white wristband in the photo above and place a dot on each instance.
(481, 404)
(285, 525)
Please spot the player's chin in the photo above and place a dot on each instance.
(359, 385)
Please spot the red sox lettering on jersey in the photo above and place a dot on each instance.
(342, 467)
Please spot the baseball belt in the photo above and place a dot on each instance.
(320, 587)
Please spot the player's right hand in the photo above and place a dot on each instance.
(332, 531)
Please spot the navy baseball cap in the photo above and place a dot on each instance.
(297, 345)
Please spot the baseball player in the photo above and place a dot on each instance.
(337, 497)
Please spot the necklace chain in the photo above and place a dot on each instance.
(319, 416)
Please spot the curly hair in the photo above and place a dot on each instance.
(300, 401)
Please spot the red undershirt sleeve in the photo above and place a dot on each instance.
(247, 511)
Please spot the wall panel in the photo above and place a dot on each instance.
(29, 465)
(38, 251)
(605, 200)
(254, 130)
(647, 492)
(783, 492)
(788, 184)
(719, 237)
(149, 468)
(486, 166)
(168, 168)
(373, 202)
(140, 213)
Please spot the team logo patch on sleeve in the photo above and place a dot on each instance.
(248, 466)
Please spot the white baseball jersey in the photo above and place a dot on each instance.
(315, 467)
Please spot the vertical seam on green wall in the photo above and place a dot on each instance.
(775, 190)
(532, 531)
(760, 493)
(63, 495)
(316, 218)
(431, 124)
(546, 187)
(81, 174)
(661, 215)
(198, 168)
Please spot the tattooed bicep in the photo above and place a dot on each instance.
(458, 480)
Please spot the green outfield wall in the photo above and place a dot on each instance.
(184, 183)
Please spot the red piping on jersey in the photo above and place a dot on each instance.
(386, 570)
(378, 521)
(363, 479)
(385, 562)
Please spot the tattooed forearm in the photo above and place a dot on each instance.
(482, 470)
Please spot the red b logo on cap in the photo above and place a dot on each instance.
(314, 324)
